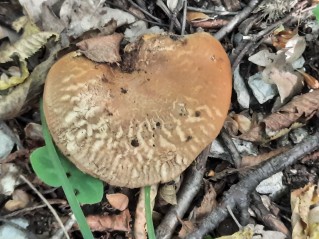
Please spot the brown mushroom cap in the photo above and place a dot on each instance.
(147, 126)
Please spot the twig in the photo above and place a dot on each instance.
(232, 148)
(236, 20)
(184, 18)
(240, 191)
(47, 203)
(253, 43)
(216, 12)
(185, 196)
(165, 9)
(68, 225)
(135, 15)
(268, 219)
(144, 11)
(28, 209)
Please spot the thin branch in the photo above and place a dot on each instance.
(216, 12)
(144, 11)
(236, 20)
(48, 205)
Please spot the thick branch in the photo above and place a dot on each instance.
(239, 192)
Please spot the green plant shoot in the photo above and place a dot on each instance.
(52, 168)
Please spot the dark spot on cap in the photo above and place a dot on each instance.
(197, 113)
(188, 138)
(123, 90)
(158, 124)
(153, 145)
(135, 143)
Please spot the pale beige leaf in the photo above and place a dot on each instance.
(301, 202)
(26, 47)
(295, 47)
(289, 83)
(168, 193)
(244, 123)
(102, 49)
(20, 199)
(118, 201)
(262, 58)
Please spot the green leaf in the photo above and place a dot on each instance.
(43, 167)
(87, 189)
(316, 12)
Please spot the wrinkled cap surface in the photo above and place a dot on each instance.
(143, 127)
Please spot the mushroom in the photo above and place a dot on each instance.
(145, 124)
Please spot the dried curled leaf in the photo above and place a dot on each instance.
(312, 82)
(304, 219)
(118, 200)
(293, 115)
(26, 47)
(120, 222)
(13, 80)
(102, 49)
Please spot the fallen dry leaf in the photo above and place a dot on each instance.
(310, 80)
(120, 222)
(207, 205)
(187, 228)
(102, 49)
(304, 218)
(168, 193)
(118, 201)
(248, 161)
(293, 115)
(262, 58)
(281, 37)
(289, 83)
(244, 123)
(295, 47)
(20, 199)
(196, 16)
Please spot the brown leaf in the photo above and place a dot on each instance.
(293, 115)
(187, 228)
(207, 205)
(279, 39)
(118, 201)
(118, 222)
(196, 16)
(312, 82)
(102, 49)
(248, 161)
